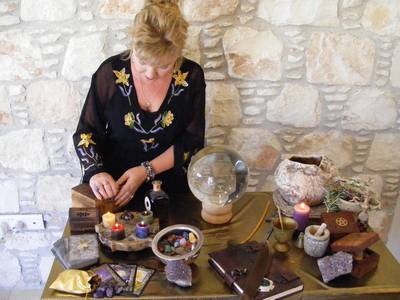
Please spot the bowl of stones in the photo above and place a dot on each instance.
(178, 242)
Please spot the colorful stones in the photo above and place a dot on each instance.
(177, 243)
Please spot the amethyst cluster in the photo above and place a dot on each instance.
(107, 291)
(179, 272)
(335, 265)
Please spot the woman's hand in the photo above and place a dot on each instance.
(129, 183)
(103, 186)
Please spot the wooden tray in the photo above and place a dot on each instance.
(287, 210)
(131, 242)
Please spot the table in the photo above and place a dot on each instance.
(383, 283)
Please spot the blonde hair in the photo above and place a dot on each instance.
(159, 30)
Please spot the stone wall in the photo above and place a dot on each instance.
(283, 77)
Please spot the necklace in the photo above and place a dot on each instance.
(147, 101)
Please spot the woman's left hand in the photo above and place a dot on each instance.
(129, 182)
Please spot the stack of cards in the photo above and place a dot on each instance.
(129, 279)
(77, 251)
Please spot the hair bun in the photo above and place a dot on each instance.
(162, 2)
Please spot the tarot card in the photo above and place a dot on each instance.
(123, 271)
(107, 275)
(142, 277)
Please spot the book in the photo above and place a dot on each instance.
(280, 282)
(241, 266)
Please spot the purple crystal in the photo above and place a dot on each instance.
(335, 265)
(98, 294)
(109, 292)
(179, 272)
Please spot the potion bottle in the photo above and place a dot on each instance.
(157, 201)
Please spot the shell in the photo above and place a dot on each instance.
(303, 178)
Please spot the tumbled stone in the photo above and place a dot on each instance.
(297, 105)
(381, 17)
(334, 144)
(259, 147)
(299, 12)
(83, 56)
(385, 152)
(23, 149)
(47, 10)
(223, 108)
(27, 241)
(334, 58)
(10, 270)
(44, 108)
(357, 117)
(117, 9)
(20, 58)
(256, 62)
(207, 10)
(395, 69)
(54, 192)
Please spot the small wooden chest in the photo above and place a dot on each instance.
(340, 223)
(83, 220)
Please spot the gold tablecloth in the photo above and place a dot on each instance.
(383, 283)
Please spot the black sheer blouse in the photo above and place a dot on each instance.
(115, 134)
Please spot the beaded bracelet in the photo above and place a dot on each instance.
(150, 174)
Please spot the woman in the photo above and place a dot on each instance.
(144, 112)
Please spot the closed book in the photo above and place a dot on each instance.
(280, 282)
(242, 267)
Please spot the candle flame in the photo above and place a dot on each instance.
(302, 205)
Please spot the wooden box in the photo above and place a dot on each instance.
(367, 264)
(83, 220)
(82, 196)
(340, 223)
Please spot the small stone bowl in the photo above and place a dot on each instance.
(189, 257)
(349, 206)
(315, 246)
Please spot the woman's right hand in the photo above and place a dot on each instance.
(103, 186)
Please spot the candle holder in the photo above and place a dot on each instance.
(283, 233)
(146, 216)
(142, 230)
(118, 232)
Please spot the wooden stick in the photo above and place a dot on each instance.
(259, 223)
(280, 217)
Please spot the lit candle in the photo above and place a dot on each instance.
(142, 230)
(301, 214)
(118, 232)
(108, 219)
(146, 216)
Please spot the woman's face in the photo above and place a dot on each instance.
(148, 71)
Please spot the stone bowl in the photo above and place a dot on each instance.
(349, 205)
(189, 257)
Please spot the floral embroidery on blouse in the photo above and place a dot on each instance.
(185, 156)
(86, 140)
(167, 119)
(129, 119)
(122, 77)
(89, 156)
(164, 120)
(149, 144)
(180, 78)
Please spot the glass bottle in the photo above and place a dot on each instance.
(157, 201)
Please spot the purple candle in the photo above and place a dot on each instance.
(301, 214)
(142, 230)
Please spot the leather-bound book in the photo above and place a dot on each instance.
(340, 223)
(242, 267)
(280, 282)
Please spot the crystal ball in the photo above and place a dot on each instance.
(218, 175)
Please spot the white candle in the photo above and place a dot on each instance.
(108, 219)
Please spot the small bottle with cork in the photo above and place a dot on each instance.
(157, 201)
